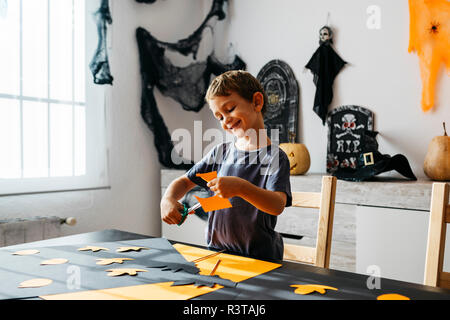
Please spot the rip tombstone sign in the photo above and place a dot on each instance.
(346, 125)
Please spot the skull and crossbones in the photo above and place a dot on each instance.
(348, 126)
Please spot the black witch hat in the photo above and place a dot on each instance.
(371, 162)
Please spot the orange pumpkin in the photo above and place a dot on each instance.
(299, 158)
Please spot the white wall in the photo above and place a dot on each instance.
(382, 76)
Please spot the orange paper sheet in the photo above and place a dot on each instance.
(234, 268)
(392, 296)
(231, 267)
(310, 288)
(207, 176)
(214, 203)
(154, 291)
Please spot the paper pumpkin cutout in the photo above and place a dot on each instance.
(26, 252)
(214, 203)
(104, 262)
(54, 261)
(429, 36)
(126, 249)
(392, 296)
(120, 272)
(93, 248)
(310, 288)
(207, 176)
(35, 283)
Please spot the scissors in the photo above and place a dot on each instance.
(187, 211)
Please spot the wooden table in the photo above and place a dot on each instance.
(275, 285)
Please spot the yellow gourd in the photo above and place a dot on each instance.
(437, 160)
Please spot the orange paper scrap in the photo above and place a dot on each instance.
(104, 262)
(310, 288)
(214, 203)
(207, 176)
(429, 36)
(155, 291)
(120, 272)
(26, 252)
(35, 283)
(392, 296)
(54, 261)
(92, 248)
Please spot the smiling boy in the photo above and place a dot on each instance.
(252, 172)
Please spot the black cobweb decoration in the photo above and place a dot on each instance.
(187, 85)
(99, 65)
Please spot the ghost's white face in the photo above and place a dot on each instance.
(324, 35)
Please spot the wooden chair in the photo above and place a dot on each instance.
(324, 201)
(439, 217)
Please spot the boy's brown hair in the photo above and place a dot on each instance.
(239, 81)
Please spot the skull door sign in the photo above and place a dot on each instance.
(345, 127)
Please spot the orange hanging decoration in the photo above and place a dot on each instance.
(430, 38)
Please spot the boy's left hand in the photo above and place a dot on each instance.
(227, 187)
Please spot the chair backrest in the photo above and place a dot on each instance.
(439, 217)
(324, 201)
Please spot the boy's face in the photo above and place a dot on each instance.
(235, 114)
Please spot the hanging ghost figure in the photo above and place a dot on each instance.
(430, 37)
(325, 35)
(325, 64)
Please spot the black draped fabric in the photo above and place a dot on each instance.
(186, 85)
(325, 64)
(100, 65)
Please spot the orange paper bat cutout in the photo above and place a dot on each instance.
(104, 262)
(310, 288)
(214, 203)
(392, 296)
(126, 249)
(92, 248)
(120, 272)
(429, 36)
(207, 176)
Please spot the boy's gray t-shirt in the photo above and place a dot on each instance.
(244, 229)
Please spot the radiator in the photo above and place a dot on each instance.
(17, 231)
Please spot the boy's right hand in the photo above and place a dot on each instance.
(171, 210)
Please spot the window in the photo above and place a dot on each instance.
(52, 125)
